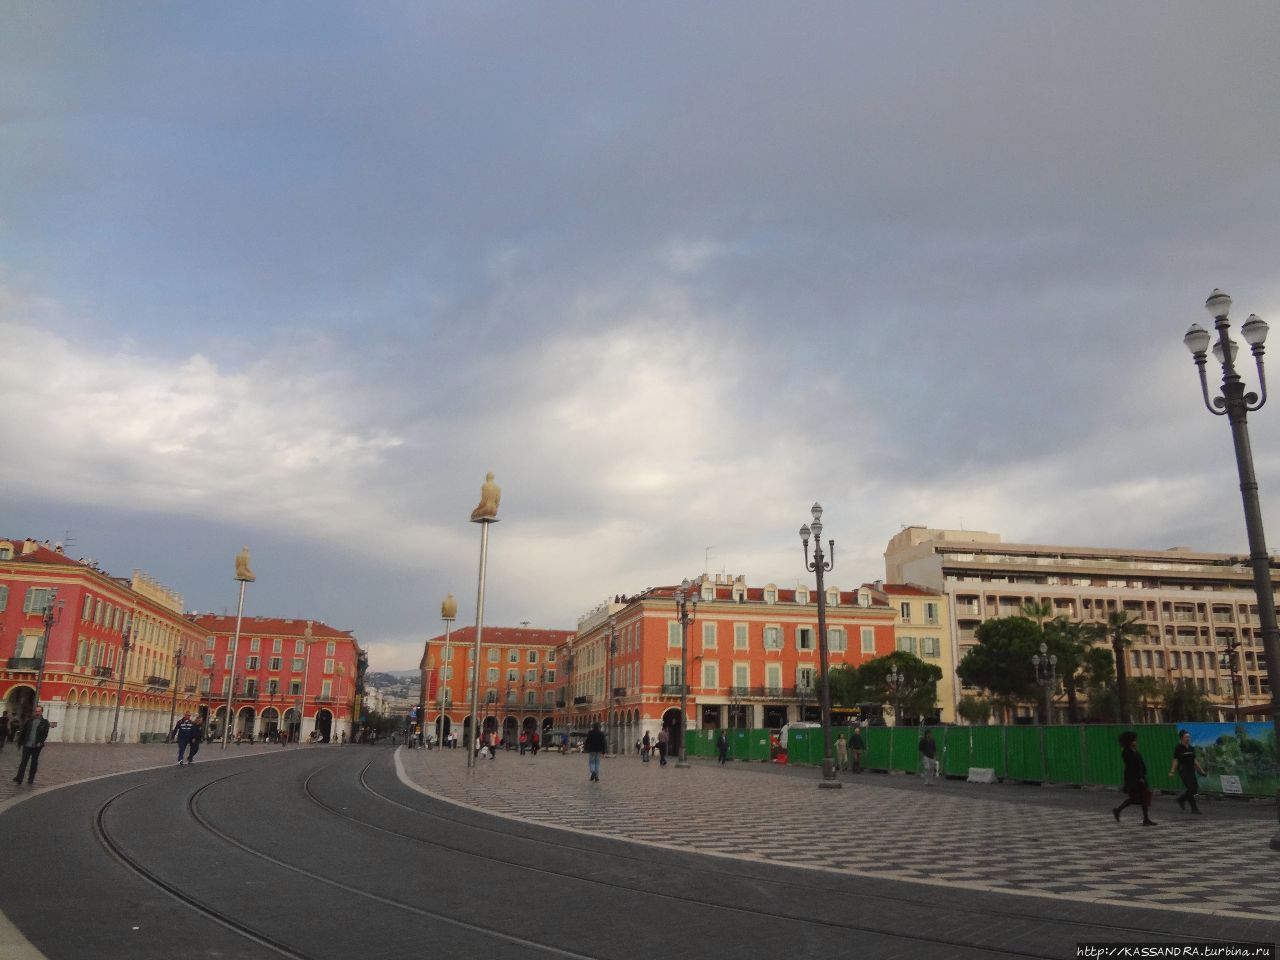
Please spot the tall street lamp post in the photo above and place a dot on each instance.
(448, 613)
(485, 514)
(613, 648)
(126, 644)
(686, 608)
(52, 614)
(1046, 666)
(818, 566)
(245, 576)
(177, 672)
(1230, 660)
(895, 678)
(1235, 403)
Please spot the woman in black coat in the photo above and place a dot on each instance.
(1135, 779)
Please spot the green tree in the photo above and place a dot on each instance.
(1119, 630)
(1037, 610)
(1146, 692)
(1071, 642)
(1000, 662)
(974, 710)
(1185, 703)
(848, 688)
(918, 692)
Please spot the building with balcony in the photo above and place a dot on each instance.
(518, 681)
(105, 652)
(300, 677)
(1195, 606)
(752, 655)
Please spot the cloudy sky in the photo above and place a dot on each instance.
(297, 275)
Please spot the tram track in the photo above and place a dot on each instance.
(206, 815)
(261, 937)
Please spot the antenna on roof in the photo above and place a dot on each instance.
(68, 541)
(525, 624)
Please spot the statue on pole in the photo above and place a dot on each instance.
(490, 495)
(243, 573)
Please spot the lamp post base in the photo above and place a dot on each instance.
(829, 781)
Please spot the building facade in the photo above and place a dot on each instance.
(922, 627)
(1195, 606)
(751, 652)
(297, 677)
(517, 682)
(106, 655)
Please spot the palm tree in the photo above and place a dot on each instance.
(1147, 691)
(1119, 630)
(1070, 640)
(1037, 610)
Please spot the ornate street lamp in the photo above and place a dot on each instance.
(126, 644)
(818, 566)
(686, 608)
(1230, 660)
(895, 678)
(448, 613)
(1235, 403)
(52, 615)
(613, 649)
(1046, 674)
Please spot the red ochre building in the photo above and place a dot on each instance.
(752, 655)
(518, 681)
(297, 676)
(107, 653)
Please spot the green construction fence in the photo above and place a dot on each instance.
(1081, 755)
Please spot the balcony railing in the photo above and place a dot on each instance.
(619, 691)
(162, 682)
(579, 701)
(103, 671)
(560, 703)
(24, 663)
(674, 689)
(189, 688)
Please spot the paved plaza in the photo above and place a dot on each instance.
(1015, 839)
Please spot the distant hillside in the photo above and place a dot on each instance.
(382, 681)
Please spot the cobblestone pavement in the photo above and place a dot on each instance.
(1009, 839)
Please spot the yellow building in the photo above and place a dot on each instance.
(922, 626)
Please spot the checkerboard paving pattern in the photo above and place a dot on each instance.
(954, 836)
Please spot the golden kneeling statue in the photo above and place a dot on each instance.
(242, 567)
(490, 495)
(449, 609)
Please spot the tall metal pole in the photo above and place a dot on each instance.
(177, 668)
(49, 621)
(448, 613)
(235, 650)
(818, 567)
(475, 656)
(125, 646)
(613, 647)
(1235, 402)
(306, 676)
(686, 597)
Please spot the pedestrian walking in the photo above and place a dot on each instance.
(664, 740)
(534, 743)
(4, 728)
(184, 730)
(722, 748)
(928, 757)
(646, 746)
(1135, 779)
(594, 745)
(856, 746)
(842, 752)
(31, 738)
(1186, 765)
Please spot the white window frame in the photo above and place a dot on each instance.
(773, 630)
(805, 630)
(867, 636)
(709, 634)
(741, 636)
(837, 639)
